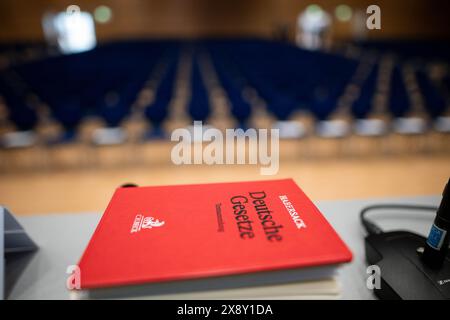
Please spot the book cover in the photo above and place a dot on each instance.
(184, 232)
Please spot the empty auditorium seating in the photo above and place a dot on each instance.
(119, 81)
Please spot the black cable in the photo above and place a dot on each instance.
(372, 228)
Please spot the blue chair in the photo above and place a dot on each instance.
(158, 111)
(198, 107)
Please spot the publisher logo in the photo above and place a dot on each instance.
(299, 223)
(141, 222)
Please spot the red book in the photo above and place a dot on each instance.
(256, 232)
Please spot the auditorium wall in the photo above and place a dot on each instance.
(20, 20)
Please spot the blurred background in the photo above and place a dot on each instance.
(91, 90)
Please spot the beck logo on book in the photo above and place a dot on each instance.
(141, 222)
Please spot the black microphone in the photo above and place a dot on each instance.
(436, 247)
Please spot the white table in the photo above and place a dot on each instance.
(63, 237)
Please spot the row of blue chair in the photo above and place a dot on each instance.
(105, 82)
